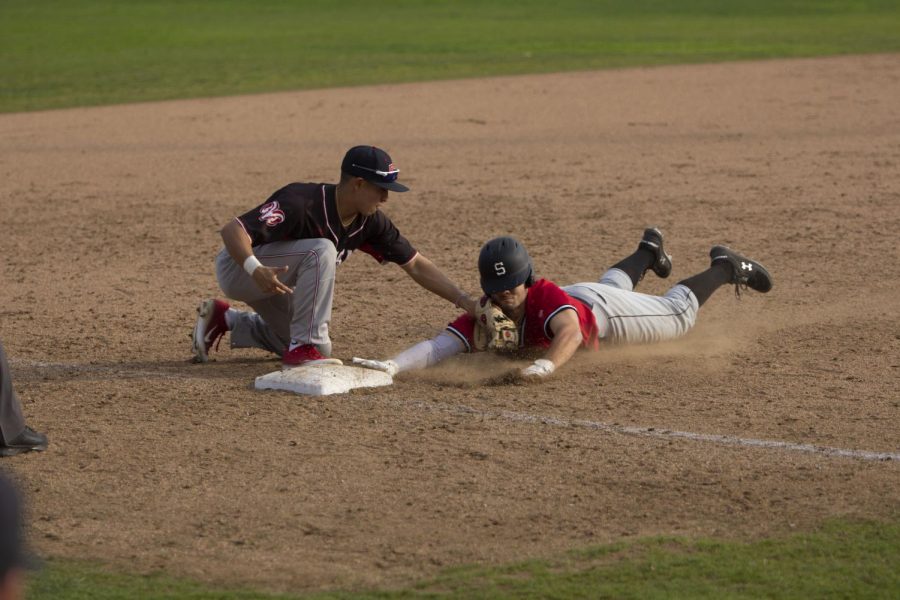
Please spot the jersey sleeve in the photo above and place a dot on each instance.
(386, 244)
(546, 301)
(371, 251)
(273, 220)
(464, 328)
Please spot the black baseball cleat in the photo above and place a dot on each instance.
(653, 241)
(26, 441)
(747, 273)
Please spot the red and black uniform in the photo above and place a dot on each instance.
(300, 211)
(544, 301)
(298, 229)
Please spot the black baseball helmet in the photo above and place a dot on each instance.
(504, 264)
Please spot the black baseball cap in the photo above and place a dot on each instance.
(374, 165)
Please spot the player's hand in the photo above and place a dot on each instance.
(267, 280)
(387, 366)
(538, 369)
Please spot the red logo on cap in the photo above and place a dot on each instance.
(271, 214)
(391, 167)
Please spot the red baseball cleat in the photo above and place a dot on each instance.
(307, 354)
(210, 328)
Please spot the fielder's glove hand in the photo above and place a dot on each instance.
(538, 369)
(388, 366)
(493, 329)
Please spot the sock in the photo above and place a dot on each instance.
(704, 284)
(636, 265)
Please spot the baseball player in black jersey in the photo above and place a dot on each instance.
(280, 258)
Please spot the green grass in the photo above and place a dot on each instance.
(60, 53)
(841, 560)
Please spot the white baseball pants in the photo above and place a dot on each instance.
(624, 315)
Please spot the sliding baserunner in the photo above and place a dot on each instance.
(522, 313)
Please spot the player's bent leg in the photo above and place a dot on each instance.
(234, 281)
(625, 316)
(617, 278)
(268, 328)
(705, 283)
(635, 265)
(641, 318)
(311, 268)
(312, 276)
(683, 299)
(650, 254)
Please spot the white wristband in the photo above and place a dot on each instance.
(251, 264)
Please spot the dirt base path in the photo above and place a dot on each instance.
(110, 219)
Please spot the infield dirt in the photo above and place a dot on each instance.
(110, 219)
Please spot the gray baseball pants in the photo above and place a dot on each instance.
(12, 423)
(624, 315)
(301, 317)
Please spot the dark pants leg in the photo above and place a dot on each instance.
(12, 423)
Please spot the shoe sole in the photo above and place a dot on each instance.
(16, 450)
(726, 253)
(197, 343)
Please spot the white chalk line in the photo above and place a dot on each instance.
(118, 371)
(652, 432)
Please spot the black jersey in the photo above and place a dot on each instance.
(301, 211)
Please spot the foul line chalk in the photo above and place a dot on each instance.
(654, 432)
(110, 370)
(519, 417)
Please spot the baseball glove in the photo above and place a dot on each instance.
(493, 329)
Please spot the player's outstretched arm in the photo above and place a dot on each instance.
(425, 273)
(422, 355)
(566, 340)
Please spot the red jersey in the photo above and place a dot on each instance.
(543, 301)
